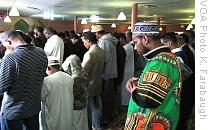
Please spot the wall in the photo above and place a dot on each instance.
(60, 25)
(29, 21)
(175, 28)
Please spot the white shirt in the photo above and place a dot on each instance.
(178, 50)
(55, 47)
(57, 102)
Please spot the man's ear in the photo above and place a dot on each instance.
(146, 39)
(48, 68)
(169, 43)
(10, 43)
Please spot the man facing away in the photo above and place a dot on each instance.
(72, 66)
(21, 77)
(155, 96)
(57, 98)
(54, 45)
(108, 43)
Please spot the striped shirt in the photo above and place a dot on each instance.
(21, 77)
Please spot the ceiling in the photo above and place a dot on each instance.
(169, 11)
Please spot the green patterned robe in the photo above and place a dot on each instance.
(155, 103)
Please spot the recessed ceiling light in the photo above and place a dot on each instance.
(182, 26)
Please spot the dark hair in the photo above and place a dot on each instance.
(122, 35)
(171, 36)
(13, 34)
(128, 33)
(185, 37)
(35, 41)
(75, 36)
(72, 32)
(55, 32)
(190, 33)
(50, 29)
(116, 35)
(25, 37)
(39, 29)
(90, 36)
(155, 37)
(2, 50)
(66, 33)
(17, 34)
(61, 35)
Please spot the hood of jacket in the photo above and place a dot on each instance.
(72, 65)
(110, 38)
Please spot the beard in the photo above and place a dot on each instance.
(144, 49)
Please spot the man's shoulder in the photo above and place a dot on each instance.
(59, 74)
(166, 57)
(54, 38)
(40, 50)
(96, 50)
(9, 57)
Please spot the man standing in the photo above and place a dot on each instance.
(93, 63)
(57, 98)
(188, 90)
(156, 94)
(54, 45)
(72, 66)
(38, 33)
(108, 43)
(170, 40)
(21, 77)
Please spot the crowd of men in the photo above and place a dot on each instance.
(66, 81)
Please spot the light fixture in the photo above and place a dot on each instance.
(49, 14)
(113, 25)
(84, 21)
(51, 18)
(121, 16)
(182, 26)
(160, 28)
(193, 21)
(7, 19)
(94, 18)
(14, 11)
(129, 27)
(189, 27)
(92, 26)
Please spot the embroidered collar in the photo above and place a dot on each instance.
(154, 52)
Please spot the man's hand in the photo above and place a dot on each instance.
(132, 84)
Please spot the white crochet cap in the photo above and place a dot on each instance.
(142, 28)
(52, 60)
